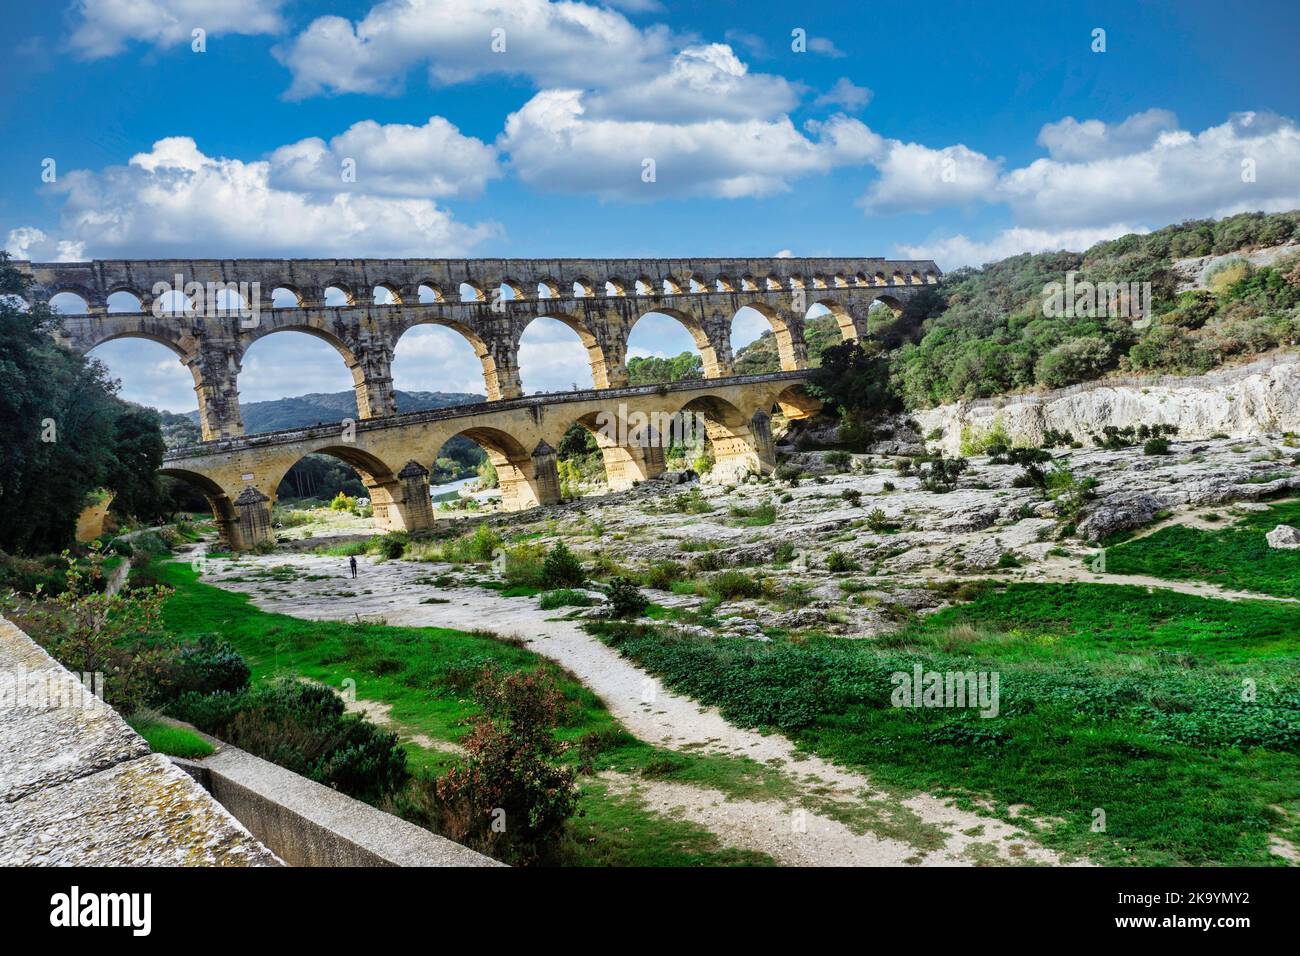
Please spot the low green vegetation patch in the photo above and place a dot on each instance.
(1177, 716)
(1236, 557)
(170, 740)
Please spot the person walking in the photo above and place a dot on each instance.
(352, 563)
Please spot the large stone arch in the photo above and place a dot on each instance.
(631, 443)
(499, 380)
(711, 361)
(526, 476)
(595, 351)
(368, 366)
(787, 331)
(742, 444)
(225, 515)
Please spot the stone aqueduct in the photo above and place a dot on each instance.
(490, 302)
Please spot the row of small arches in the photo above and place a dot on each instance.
(339, 294)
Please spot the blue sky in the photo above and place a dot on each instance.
(959, 131)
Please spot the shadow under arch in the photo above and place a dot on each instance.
(632, 443)
(224, 512)
(527, 477)
(742, 444)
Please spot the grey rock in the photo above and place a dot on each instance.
(1121, 511)
(1283, 536)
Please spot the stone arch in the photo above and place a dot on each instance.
(342, 289)
(595, 352)
(527, 477)
(224, 514)
(430, 289)
(615, 288)
(790, 346)
(848, 328)
(795, 402)
(632, 448)
(287, 292)
(366, 404)
(471, 291)
(548, 288)
(742, 444)
(72, 292)
(122, 294)
(391, 290)
(492, 375)
(399, 497)
(703, 344)
(893, 304)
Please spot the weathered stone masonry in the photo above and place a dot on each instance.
(490, 302)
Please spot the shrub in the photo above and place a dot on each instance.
(876, 521)
(837, 562)
(392, 545)
(839, 460)
(303, 727)
(210, 666)
(1156, 446)
(510, 797)
(561, 569)
(625, 600)
(852, 495)
(661, 575)
(1073, 361)
(941, 473)
(732, 585)
(343, 502)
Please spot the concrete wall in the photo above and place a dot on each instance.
(78, 787)
(308, 824)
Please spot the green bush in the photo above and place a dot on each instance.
(1156, 446)
(562, 569)
(625, 600)
(837, 562)
(732, 585)
(303, 727)
(564, 597)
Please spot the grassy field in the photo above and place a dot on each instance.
(1235, 557)
(1111, 698)
(417, 671)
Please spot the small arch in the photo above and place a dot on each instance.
(860, 280)
(70, 303)
(548, 289)
(696, 286)
(386, 293)
(772, 283)
(931, 278)
(898, 278)
(582, 288)
(614, 288)
(428, 293)
(723, 284)
(748, 284)
(819, 281)
(644, 286)
(173, 302)
(672, 287)
(886, 301)
(880, 279)
(124, 301)
(471, 292)
(915, 278)
(286, 297)
(730, 441)
(338, 296)
(509, 290)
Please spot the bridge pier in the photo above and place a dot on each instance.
(404, 504)
(252, 524)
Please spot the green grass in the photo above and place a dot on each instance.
(1110, 697)
(424, 673)
(170, 740)
(1237, 557)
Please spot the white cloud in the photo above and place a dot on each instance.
(1069, 140)
(104, 26)
(845, 93)
(175, 201)
(959, 250)
(825, 47)
(1179, 176)
(394, 159)
(554, 145)
(916, 178)
(554, 44)
(27, 242)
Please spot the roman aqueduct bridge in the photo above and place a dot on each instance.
(490, 302)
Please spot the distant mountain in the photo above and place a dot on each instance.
(329, 407)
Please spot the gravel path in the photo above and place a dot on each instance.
(838, 819)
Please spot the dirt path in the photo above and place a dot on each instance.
(837, 818)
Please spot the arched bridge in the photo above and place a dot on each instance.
(633, 428)
(209, 312)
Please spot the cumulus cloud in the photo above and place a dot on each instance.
(825, 47)
(718, 157)
(393, 159)
(845, 93)
(1069, 140)
(1251, 161)
(27, 242)
(176, 201)
(103, 27)
(959, 250)
(554, 44)
(916, 178)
